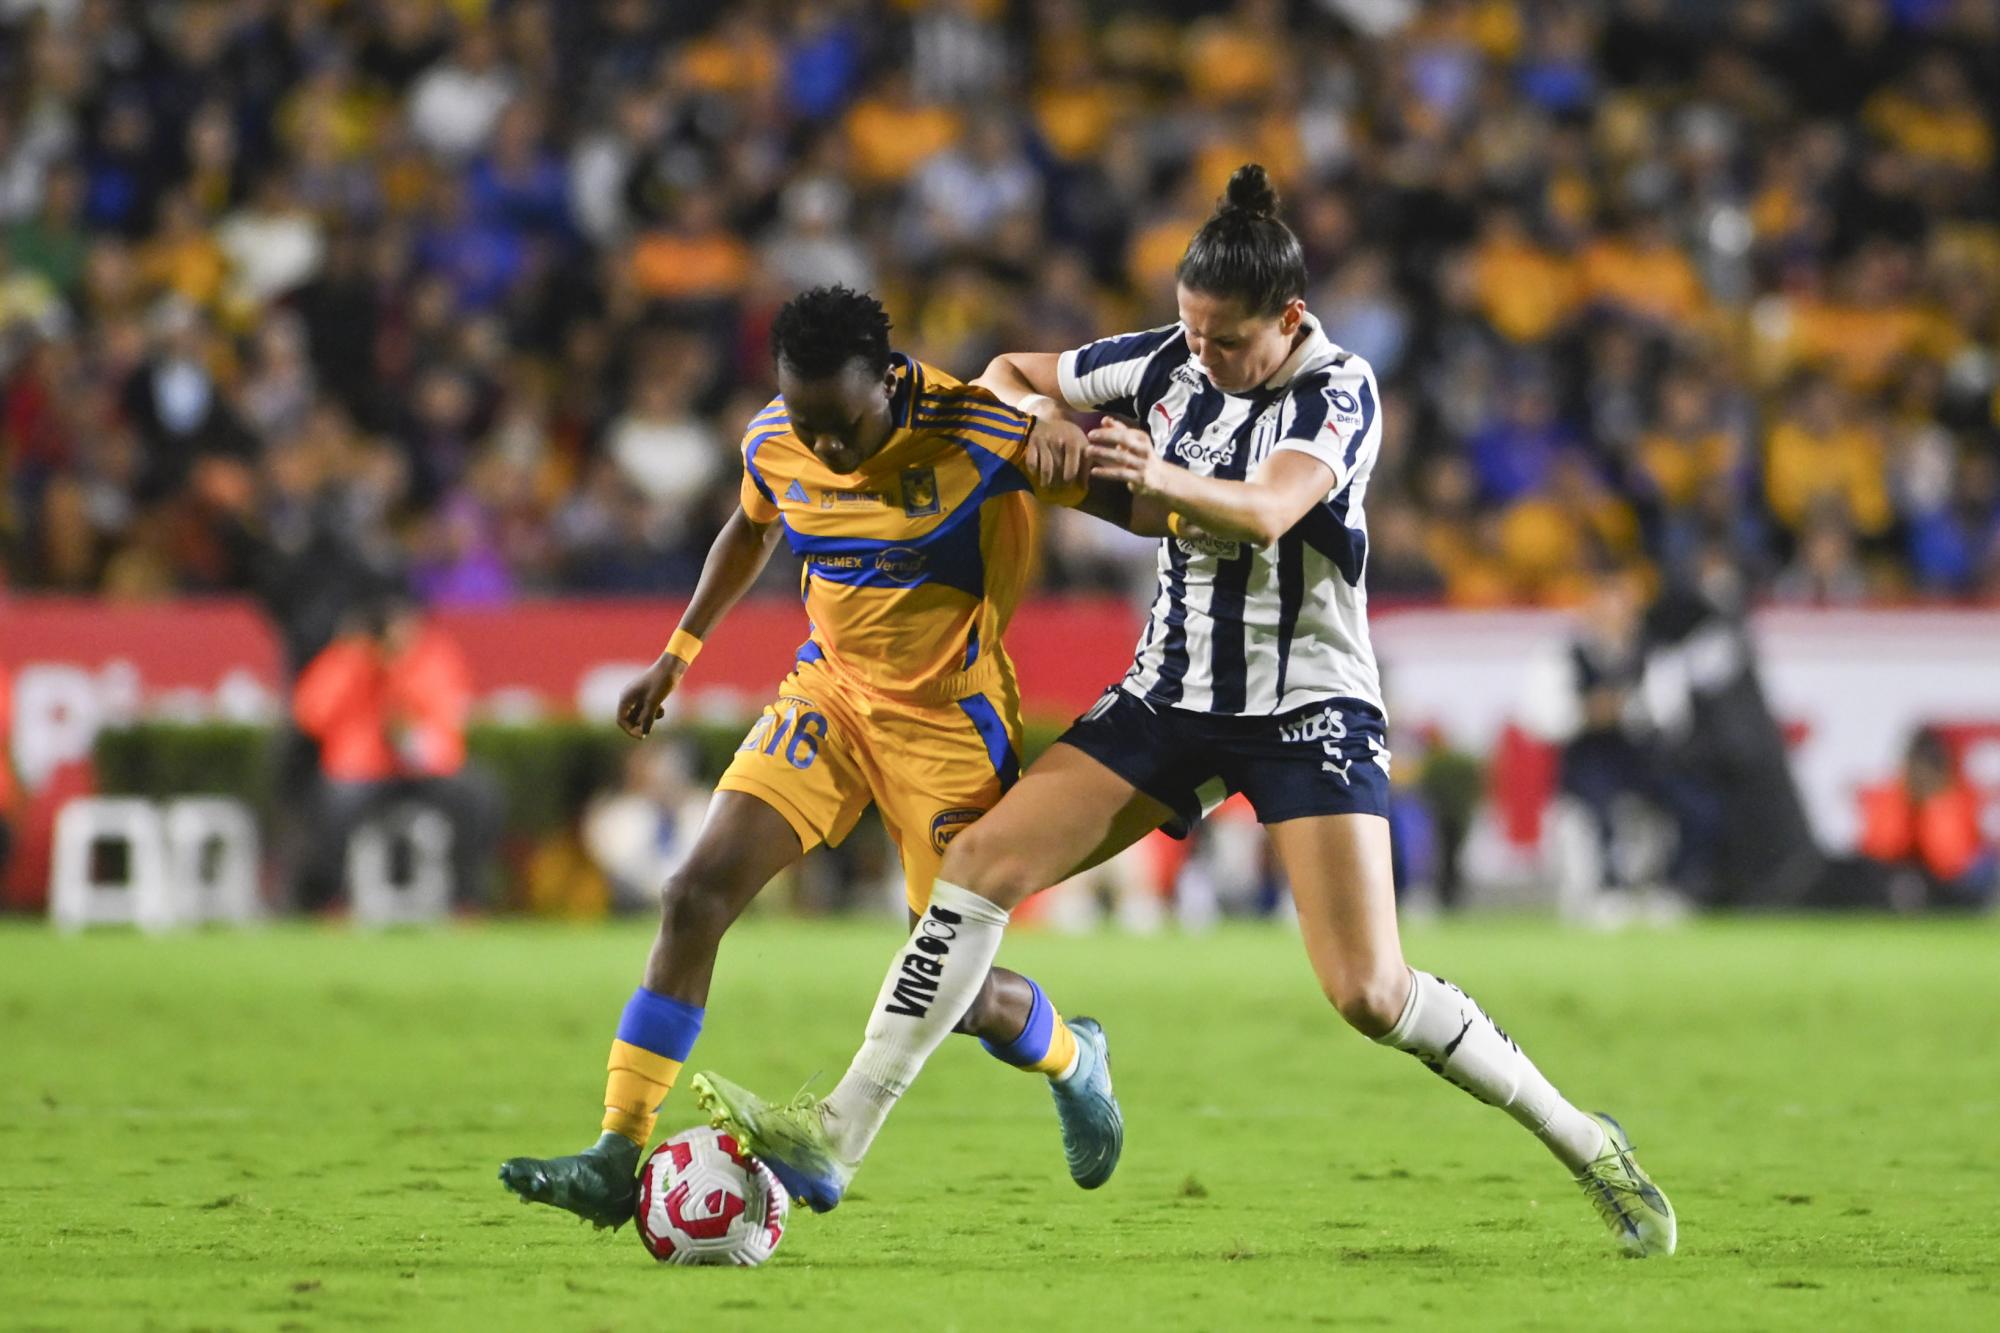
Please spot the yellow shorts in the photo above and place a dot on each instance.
(825, 749)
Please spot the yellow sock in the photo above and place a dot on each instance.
(1062, 1050)
(638, 1080)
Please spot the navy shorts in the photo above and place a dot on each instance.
(1327, 758)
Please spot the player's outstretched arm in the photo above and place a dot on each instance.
(1015, 378)
(1029, 381)
(1057, 454)
(1259, 510)
(740, 552)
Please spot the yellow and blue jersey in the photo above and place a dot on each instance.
(914, 564)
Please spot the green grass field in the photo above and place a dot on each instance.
(299, 1128)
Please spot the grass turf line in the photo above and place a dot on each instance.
(298, 1128)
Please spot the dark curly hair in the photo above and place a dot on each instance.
(821, 330)
(1244, 251)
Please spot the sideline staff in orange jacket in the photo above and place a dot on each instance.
(1925, 823)
(388, 703)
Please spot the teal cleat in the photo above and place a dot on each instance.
(597, 1184)
(1093, 1128)
(1625, 1196)
(791, 1139)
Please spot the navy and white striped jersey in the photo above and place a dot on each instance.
(1235, 629)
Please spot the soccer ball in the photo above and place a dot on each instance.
(703, 1200)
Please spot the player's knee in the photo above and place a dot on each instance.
(983, 863)
(1370, 999)
(999, 876)
(968, 855)
(693, 905)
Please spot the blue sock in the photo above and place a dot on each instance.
(1031, 1048)
(654, 1037)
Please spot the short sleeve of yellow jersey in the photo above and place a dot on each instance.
(754, 493)
(1014, 450)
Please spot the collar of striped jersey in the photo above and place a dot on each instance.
(1310, 347)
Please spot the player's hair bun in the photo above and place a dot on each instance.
(1250, 193)
(1245, 251)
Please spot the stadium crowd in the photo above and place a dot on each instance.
(296, 295)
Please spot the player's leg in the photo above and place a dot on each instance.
(1338, 866)
(1319, 780)
(1003, 1005)
(1019, 1025)
(743, 843)
(792, 784)
(934, 772)
(1065, 808)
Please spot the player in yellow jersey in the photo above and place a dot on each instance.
(909, 497)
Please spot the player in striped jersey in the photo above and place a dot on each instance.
(1255, 441)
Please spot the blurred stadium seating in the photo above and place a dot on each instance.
(478, 290)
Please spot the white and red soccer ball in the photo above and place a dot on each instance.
(703, 1200)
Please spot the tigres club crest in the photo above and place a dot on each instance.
(948, 824)
(920, 491)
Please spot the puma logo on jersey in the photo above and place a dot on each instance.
(1341, 769)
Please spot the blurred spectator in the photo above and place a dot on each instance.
(963, 196)
(662, 447)
(812, 247)
(1923, 826)
(1515, 454)
(1827, 570)
(455, 104)
(1609, 823)
(177, 405)
(640, 831)
(1398, 565)
(387, 703)
(273, 244)
(1819, 454)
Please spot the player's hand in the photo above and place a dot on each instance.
(1125, 453)
(639, 707)
(1058, 453)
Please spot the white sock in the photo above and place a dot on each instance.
(1453, 1037)
(936, 976)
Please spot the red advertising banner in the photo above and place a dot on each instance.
(1850, 687)
(78, 665)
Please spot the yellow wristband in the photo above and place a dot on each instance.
(1174, 524)
(684, 646)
